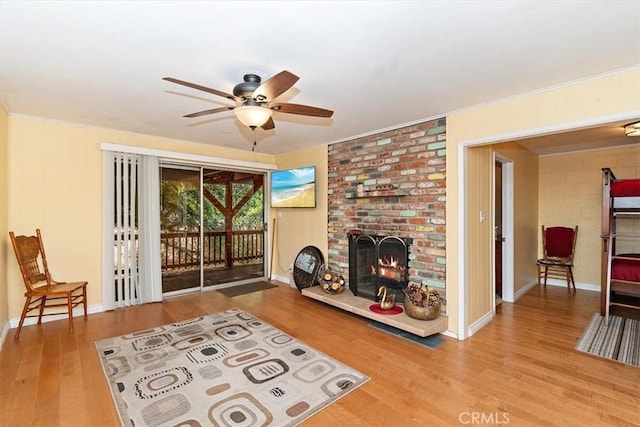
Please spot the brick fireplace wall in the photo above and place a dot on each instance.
(392, 183)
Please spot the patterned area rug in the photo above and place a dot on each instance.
(620, 340)
(224, 369)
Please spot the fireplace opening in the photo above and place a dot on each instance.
(376, 261)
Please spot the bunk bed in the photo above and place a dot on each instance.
(620, 281)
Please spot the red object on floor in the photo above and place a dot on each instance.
(395, 310)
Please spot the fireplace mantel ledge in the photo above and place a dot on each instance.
(375, 193)
(360, 306)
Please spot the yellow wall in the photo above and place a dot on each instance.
(571, 194)
(4, 228)
(525, 214)
(55, 171)
(299, 227)
(480, 234)
(592, 99)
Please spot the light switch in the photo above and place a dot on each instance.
(483, 217)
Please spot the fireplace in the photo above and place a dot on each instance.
(376, 261)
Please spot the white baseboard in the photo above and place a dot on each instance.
(77, 312)
(579, 285)
(523, 290)
(449, 334)
(555, 282)
(286, 279)
(13, 323)
(4, 335)
(480, 323)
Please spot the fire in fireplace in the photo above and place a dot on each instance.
(389, 268)
(376, 261)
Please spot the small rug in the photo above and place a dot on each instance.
(620, 340)
(223, 369)
(432, 341)
(234, 291)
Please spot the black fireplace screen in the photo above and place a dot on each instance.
(376, 261)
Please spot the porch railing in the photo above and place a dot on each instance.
(180, 250)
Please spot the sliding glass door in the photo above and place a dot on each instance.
(180, 228)
(234, 226)
(212, 227)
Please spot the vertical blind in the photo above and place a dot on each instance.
(131, 253)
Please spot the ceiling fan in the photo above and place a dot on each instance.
(256, 100)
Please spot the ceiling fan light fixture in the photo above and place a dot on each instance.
(632, 129)
(253, 99)
(252, 115)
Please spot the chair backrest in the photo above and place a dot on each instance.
(559, 241)
(31, 259)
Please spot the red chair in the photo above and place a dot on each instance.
(559, 245)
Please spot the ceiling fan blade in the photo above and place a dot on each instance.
(205, 112)
(276, 85)
(303, 110)
(199, 87)
(269, 124)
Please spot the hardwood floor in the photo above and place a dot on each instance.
(521, 369)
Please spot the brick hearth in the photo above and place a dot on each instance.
(393, 183)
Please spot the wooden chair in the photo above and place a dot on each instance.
(41, 290)
(559, 245)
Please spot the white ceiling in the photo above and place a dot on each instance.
(377, 64)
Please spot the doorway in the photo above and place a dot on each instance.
(503, 227)
(497, 233)
(212, 227)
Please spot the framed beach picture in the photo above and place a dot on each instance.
(294, 188)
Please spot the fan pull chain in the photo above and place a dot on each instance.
(253, 129)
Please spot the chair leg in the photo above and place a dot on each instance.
(84, 301)
(22, 317)
(43, 303)
(573, 282)
(539, 274)
(546, 272)
(70, 310)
